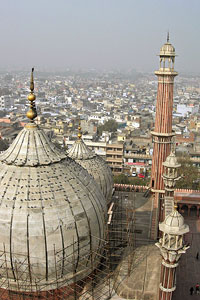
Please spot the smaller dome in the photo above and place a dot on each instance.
(171, 161)
(79, 151)
(167, 50)
(174, 224)
(174, 219)
(95, 166)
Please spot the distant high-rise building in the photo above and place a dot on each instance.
(162, 133)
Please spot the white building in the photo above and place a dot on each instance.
(184, 109)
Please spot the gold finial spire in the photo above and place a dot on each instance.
(168, 36)
(79, 130)
(175, 205)
(32, 113)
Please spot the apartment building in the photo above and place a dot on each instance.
(114, 157)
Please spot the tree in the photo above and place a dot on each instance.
(138, 181)
(110, 126)
(190, 174)
(122, 179)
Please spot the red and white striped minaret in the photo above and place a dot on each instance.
(162, 134)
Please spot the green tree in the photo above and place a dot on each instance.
(110, 126)
(122, 179)
(190, 174)
(138, 181)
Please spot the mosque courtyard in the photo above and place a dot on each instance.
(188, 271)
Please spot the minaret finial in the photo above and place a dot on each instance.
(175, 205)
(31, 81)
(79, 130)
(168, 36)
(32, 113)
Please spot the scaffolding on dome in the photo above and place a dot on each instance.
(99, 284)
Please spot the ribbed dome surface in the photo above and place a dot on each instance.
(174, 224)
(31, 148)
(171, 161)
(80, 151)
(95, 166)
(47, 203)
(174, 219)
(167, 50)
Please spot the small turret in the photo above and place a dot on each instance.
(170, 177)
(171, 247)
(167, 58)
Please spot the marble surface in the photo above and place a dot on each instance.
(50, 207)
(95, 166)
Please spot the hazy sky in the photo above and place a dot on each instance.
(105, 34)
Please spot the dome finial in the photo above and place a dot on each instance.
(31, 81)
(79, 130)
(175, 205)
(168, 36)
(32, 113)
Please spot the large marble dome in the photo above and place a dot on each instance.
(52, 214)
(94, 164)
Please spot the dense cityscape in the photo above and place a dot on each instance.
(116, 112)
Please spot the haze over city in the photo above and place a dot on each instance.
(120, 35)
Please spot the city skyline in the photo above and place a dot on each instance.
(115, 34)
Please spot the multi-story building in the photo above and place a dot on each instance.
(139, 163)
(114, 157)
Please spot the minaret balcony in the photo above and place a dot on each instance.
(166, 71)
